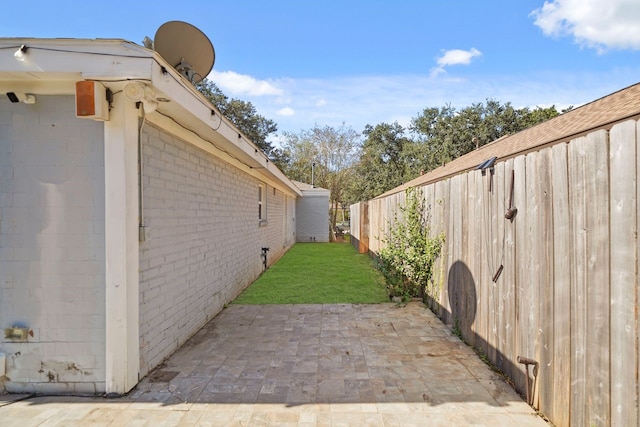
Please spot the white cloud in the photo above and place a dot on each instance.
(286, 111)
(611, 24)
(454, 57)
(361, 100)
(235, 84)
(458, 57)
(321, 102)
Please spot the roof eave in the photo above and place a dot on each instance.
(53, 66)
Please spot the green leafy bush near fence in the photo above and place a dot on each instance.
(406, 261)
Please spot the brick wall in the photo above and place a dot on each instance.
(52, 246)
(203, 240)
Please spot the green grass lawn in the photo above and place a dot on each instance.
(318, 273)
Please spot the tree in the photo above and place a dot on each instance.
(388, 158)
(332, 152)
(301, 153)
(245, 117)
(447, 134)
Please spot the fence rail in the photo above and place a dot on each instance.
(557, 283)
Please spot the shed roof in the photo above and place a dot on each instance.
(311, 189)
(602, 113)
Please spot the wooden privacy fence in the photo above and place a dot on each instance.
(558, 283)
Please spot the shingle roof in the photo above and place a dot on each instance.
(599, 114)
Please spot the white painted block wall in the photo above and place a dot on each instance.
(52, 246)
(203, 240)
(312, 216)
(202, 247)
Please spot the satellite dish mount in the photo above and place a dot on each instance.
(185, 69)
(186, 48)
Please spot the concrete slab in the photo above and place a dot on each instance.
(304, 365)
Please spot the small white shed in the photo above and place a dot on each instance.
(312, 213)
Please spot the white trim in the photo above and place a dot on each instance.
(192, 109)
(121, 248)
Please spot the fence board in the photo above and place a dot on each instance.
(507, 284)
(637, 285)
(522, 259)
(578, 202)
(545, 285)
(469, 223)
(468, 285)
(458, 280)
(382, 223)
(455, 279)
(463, 256)
(562, 287)
(354, 219)
(365, 228)
(484, 250)
(467, 288)
(476, 244)
(598, 287)
(442, 198)
(623, 208)
(374, 230)
(442, 193)
(427, 193)
(497, 236)
(531, 297)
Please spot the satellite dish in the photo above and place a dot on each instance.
(186, 48)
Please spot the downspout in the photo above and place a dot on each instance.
(141, 232)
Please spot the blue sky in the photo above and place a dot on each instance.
(304, 63)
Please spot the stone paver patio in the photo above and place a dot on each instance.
(304, 365)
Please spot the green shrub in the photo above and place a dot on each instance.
(406, 262)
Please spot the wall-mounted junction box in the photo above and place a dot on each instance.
(91, 100)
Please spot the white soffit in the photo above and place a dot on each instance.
(52, 66)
